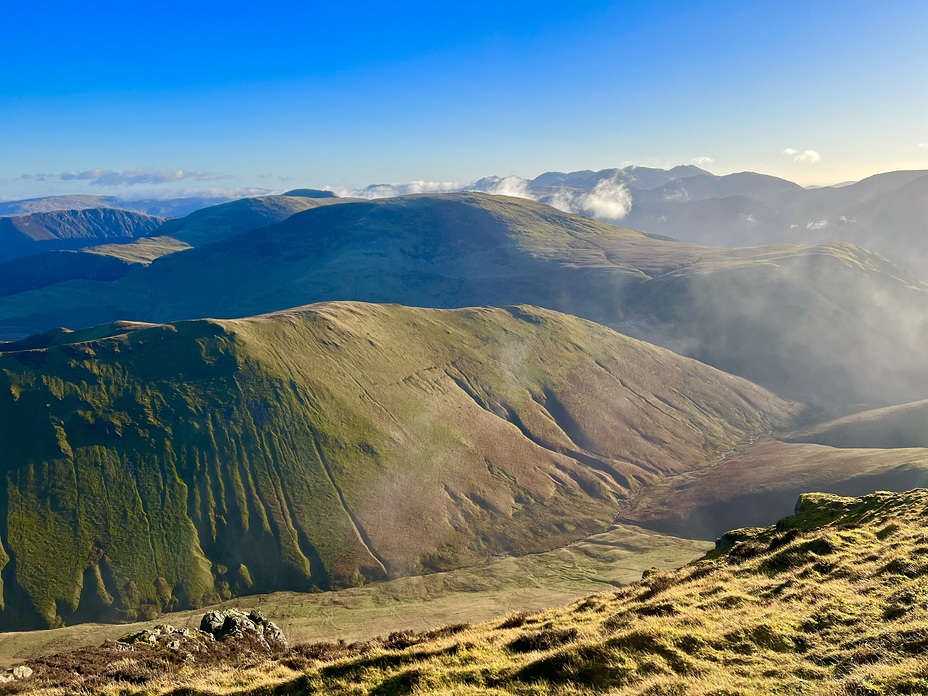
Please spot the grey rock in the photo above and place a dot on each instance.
(236, 624)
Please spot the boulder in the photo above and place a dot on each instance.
(232, 623)
(22, 672)
(16, 674)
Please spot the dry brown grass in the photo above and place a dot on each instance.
(833, 601)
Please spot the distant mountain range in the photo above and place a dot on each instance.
(788, 317)
(887, 213)
(165, 208)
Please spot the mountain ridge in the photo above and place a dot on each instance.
(269, 453)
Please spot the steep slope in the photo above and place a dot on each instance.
(825, 325)
(327, 446)
(831, 600)
(70, 229)
(905, 425)
(755, 484)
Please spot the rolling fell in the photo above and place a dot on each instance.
(169, 466)
(830, 325)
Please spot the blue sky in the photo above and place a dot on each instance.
(149, 97)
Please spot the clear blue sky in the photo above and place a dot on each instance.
(276, 95)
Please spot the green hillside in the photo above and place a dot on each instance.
(220, 221)
(171, 466)
(824, 325)
(110, 262)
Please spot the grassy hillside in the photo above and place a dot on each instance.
(175, 465)
(220, 221)
(905, 425)
(829, 601)
(824, 325)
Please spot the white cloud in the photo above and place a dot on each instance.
(702, 160)
(609, 200)
(392, 190)
(922, 146)
(133, 177)
(511, 186)
(817, 224)
(808, 156)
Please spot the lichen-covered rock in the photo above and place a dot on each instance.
(188, 644)
(16, 674)
(233, 623)
(22, 672)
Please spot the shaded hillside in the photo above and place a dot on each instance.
(824, 325)
(159, 207)
(41, 270)
(905, 425)
(109, 262)
(70, 229)
(170, 466)
(831, 600)
(102, 262)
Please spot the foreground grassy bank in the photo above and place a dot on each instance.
(832, 600)
(468, 595)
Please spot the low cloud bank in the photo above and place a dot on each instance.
(608, 200)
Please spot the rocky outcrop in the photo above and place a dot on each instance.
(235, 624)
(16, 674)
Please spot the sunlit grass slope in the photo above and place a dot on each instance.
(175, 465)
(226, 219)
(830, 601)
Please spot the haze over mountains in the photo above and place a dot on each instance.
(826, 325)
(266, 448)
(885, 213)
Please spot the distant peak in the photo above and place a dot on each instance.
(310, 193)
